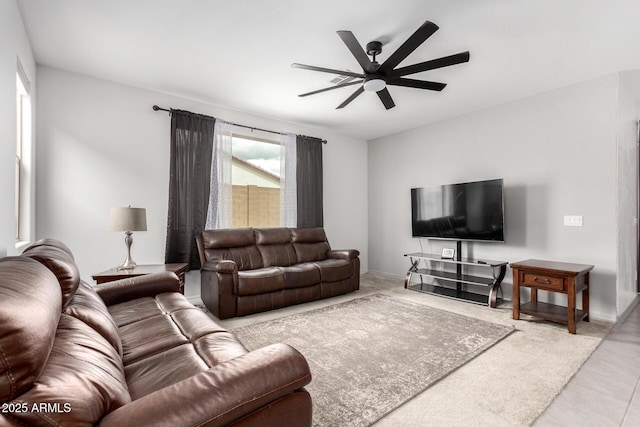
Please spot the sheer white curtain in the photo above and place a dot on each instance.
(219, 213)
(288, 184)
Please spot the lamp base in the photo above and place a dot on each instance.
(128, 263)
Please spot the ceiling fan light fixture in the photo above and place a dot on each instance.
(375, 84)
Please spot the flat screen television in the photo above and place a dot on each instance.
(465, 211)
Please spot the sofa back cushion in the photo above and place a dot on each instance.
(30, 305)
(87, 306)
(83, 379)
(238, 245)
(51, 242)
(275, 247)
(58, 258)
(310, 244)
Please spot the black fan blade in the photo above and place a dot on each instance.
(356, 50)
(385, 97)
(417, 84)
(423, 33)
(326, 70)
(353, 96)
(445, 61)
(332, 88)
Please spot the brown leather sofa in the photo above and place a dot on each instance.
(250, 270)
(133, 352)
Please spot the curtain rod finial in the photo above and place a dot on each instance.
(157, 108)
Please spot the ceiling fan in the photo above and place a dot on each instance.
(376, 77)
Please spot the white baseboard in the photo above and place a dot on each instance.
(194, 299)
(622, 317)
(596, 315)
(382, 273)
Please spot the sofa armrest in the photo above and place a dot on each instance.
(221, 266)
(221, 394)
(137, 287)
(343, 254)
(218, 284)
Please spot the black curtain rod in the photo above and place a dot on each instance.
(324, 141)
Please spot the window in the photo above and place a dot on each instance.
(256, 182)
(23, 154)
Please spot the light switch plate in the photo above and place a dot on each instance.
(573, 220)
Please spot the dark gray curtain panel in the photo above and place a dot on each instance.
(309, 181)
(189, 184)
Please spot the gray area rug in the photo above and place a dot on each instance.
(371, 354)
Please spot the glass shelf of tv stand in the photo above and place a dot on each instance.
(458, 285)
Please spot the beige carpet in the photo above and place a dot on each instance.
(510, 384)
(371, 354)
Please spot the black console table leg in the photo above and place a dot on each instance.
(414, 267)
(407, 279)
(493, 293)
(459, 266)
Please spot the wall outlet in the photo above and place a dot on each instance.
(573, 220)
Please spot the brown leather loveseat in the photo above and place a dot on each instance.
(133, 352)
(249, 270)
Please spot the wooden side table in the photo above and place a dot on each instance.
(114, 274)
(560, 277)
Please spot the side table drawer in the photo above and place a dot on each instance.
(542, 281)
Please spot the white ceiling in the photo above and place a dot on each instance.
(238, 53)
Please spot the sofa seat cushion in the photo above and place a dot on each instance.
(212, 342)
(260, 281)
(180, 345)
(334, 270)
(151, 325)
(149, 336)
(84, 376)
(162, 370)
(168, 321)
(176, 364)
(142, 308)
(301, 275)
(219, 347)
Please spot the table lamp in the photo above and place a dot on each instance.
(128, 220)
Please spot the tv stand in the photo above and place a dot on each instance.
(443, 282)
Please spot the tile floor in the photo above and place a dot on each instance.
(606, 390)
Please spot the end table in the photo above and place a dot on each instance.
(114, 274)
(560, 277)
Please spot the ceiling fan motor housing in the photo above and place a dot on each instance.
(374, 48)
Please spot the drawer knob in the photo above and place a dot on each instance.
(538, 280)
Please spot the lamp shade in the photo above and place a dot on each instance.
(128, 219)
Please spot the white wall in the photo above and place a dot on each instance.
(627, 290)
(14, 44)
(557, 154)
(101, 145)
